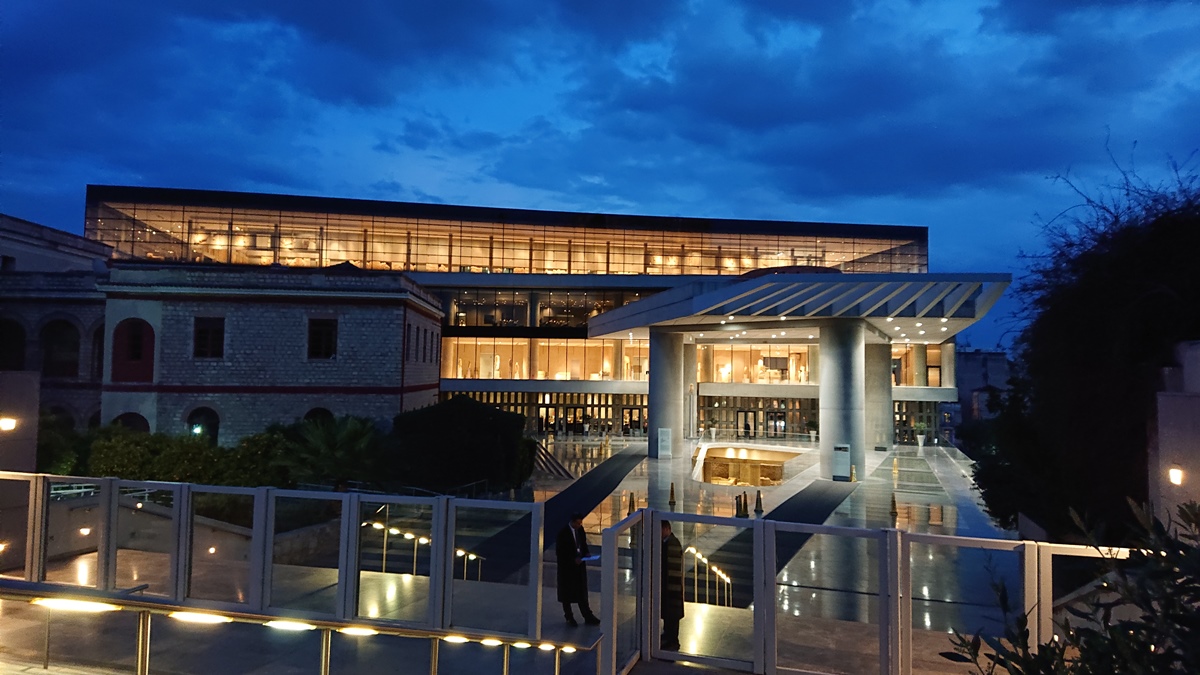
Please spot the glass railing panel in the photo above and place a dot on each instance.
(145, 540)
(222, 534)
(827, 603)
(395, 544)
(14, 526)
(718, 589)
(304, 553)
(490, 571)
(74, 514)
(630, 590)
(953, 589)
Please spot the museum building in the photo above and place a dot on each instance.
(555, 315)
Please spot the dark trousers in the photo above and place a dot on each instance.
(670, 634)
(585, 609)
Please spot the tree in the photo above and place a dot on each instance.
(1115, 291)
(1146, 619)
(338, 451)
(457, 442)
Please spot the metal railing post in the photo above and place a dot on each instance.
(106, 543)
(767, 647)
(608, 602)
(261, 541)
(143, 644)
(1029, 592)
(35, 539)
(890, 635)
(181, 513)
(1045, 593)
(347, 583)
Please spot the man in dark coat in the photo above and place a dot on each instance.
(671, 585)
(571, 549)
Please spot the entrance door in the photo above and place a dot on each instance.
(547, 418)
(632, 420)
(776, 424)
(747, 423)
(574, 419)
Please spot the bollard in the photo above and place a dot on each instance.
(758, 507)
(895, 509)
(853, 474)
(671, 501)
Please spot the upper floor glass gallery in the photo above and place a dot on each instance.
(231, 227)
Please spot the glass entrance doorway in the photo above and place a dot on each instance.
(633, 421)
(776, 423)
(547, 419)
(747, 423)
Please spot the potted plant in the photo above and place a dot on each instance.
(920, 429)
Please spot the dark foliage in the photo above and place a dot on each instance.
(1144, 619)
(1116, 290)
(457, 442)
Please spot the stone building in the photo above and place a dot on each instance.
(217, 349)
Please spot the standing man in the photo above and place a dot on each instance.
(571, 549)
(671, 587)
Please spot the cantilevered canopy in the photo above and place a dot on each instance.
(792, 307)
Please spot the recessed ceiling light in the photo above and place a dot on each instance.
(904, 335)
(920, 332)
(889, 319)
(782, 317)
(702, 335)
(895, 327)
(774, 335)
(722, 322)
(944, 319)
(783, 332)
(731, 318)
(918, 324)
(810, 337)
(944, 328)
(908, 340)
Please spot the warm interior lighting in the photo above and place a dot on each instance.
(199, 617)
(522, 645)
(358, 630)
(546, 647)
(212, 549)
(568, 650)
(377, 526)
(7, 423)
(85, 531)
(409, 535)
(290, 625)
(70, 605)
(490, 642)
(393, 531)
(456, 639)
(460, 553)
(1175, 475)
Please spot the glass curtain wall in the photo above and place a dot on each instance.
(544, 359)
(755, 363)
(306, 239)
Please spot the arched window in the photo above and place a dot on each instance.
(133, 352)
(12, 345)
(60, 349)
(318, 415)
(133, 422)
(204, 422)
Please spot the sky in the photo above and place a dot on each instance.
(959, 115)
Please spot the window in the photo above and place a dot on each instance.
(204, 422)
(60, 349)
(208, 337)
(322, 338)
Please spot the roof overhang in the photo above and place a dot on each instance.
(900, 307)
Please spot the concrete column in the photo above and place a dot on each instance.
(533, 358)
(878, 392)
(843, 396)
(949, 367)
(618, 360)
(920, 365)
(689, 388)
(814, 364)
(533, 309)
(666, 391)
(707, 372)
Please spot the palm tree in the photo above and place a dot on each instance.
(332, 451)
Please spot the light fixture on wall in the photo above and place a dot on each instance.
(7, 423)
(1175, 475)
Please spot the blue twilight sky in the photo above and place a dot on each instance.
(953, 114)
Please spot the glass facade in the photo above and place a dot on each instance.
(482, 358)
(756, 363)
(485, 307)
(390, 238)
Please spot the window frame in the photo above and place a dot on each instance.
(324, 347)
